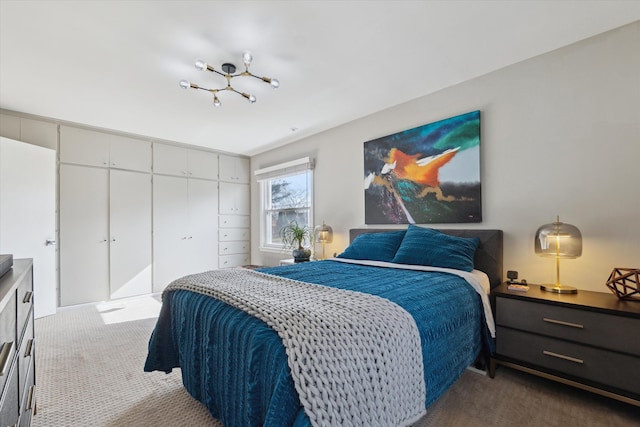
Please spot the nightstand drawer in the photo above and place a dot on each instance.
(597, 329)
(597, 365)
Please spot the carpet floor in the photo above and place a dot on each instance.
(89, 362)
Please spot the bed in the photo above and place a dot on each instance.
(241, 361)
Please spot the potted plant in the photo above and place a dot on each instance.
(293, 236)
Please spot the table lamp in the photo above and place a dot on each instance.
(558, 240)
(323, 234)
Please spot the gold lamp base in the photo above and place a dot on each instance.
(559, 289)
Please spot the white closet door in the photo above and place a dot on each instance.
(170, 160)
(28, 214)
(202, 164)
(130, 233)
(170, 229)
(203, 221)
(84, 147)
(84, 244)
(131, 154)
(243, 199)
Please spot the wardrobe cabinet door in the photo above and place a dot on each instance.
(84, 147)
(202, 164)
(203, 222)
(84, 238)
(170, 230)
(130, 233)
(234, 169)
(170, 160)
(130, 154)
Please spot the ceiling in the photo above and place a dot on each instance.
(117, 64)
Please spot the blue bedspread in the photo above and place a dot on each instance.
(236, 365)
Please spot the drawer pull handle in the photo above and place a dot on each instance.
(27, 297)
(560, 322)
(5, 357)
(31, 400)
(562, 356)
(27, 351)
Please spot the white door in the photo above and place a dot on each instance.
(84, 234)
(28, 214)
(203, 221)
(130, 233)
(170, 229)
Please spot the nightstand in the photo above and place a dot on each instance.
(588, 340)
(290, 261)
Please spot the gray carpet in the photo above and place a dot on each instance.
(89, 373)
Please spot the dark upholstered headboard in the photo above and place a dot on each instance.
(488, 257)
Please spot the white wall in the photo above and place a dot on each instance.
(560, 136)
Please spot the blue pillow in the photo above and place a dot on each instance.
(374, 246)
(426, 246)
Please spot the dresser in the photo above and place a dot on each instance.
(17, 345)
(589, 340)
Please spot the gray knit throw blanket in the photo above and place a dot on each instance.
(355, 358)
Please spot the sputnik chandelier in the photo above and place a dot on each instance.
(227, 72)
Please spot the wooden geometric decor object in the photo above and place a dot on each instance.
(625, 283)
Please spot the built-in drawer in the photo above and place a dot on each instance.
(234, 221)
(26, 354)
(598, 329)
(8, 339)
(228, 261)
(25, 302)
(234, 234)
(10, 398)
(593, 364)
(228, 248)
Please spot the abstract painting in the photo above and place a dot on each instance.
(425, 175)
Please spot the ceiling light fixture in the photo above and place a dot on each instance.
(227, 72)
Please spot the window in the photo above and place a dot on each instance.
(286, 195)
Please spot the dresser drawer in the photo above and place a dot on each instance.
(234, 234)
(234, 221)
(600, 366)
(8, 341)
(28, 396)
(598, 329)
(24, 302)
(25, 356)
(228, 248)
(9, 398)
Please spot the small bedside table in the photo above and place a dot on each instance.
(291, 261)
(589, 340)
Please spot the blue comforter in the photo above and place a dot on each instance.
(236, 365)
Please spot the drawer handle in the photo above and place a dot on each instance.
(5, 357)
(31, 400)
(27, 352)
(562, 356)
(27, 297)
(560, 322)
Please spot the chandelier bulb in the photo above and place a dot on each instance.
(247, 57)
(275, 83)
(216, 101)
(201, 65)
(184, 84)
